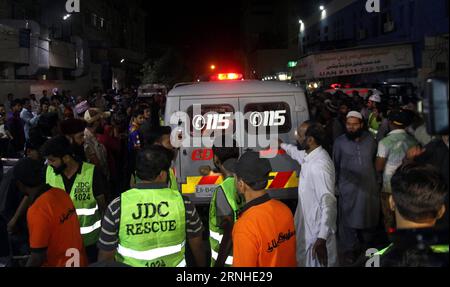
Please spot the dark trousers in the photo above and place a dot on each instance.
(92, 253)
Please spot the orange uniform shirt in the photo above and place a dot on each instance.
(53, 225)
(264, 235)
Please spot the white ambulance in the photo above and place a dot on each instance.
(198, 110)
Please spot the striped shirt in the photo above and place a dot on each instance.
(109, 235)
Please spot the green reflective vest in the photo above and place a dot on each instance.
(152, 231)
(373, 124)
(83, 199)
(233, 200)
(173, 180)
(434, 248)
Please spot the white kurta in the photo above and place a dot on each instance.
(316, 212)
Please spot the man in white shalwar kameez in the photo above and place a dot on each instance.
(315, 217)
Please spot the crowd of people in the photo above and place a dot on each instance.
(367, 140)
(370, 174)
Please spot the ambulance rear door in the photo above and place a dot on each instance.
(262, 113)
(197, 171)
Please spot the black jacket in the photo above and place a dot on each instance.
(415, 248)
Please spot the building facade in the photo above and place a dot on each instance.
(269, 37)
(346, 25)
(44, 47)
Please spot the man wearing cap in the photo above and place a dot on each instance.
(316, 213)
(374, 117)
(95, 152)
(264, 234)
(374, 98)
(52, 220)
(357, 189)
(391, 152)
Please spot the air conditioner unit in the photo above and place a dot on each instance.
(388, 26)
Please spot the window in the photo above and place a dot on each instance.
(24, 38)
(325, 30)
(267, 115)
(212, 118)
(401, 18)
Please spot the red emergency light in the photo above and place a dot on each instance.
(335, 86)
(227, 77)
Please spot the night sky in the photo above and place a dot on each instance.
(205, 32)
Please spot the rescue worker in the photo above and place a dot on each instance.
(418, 196)
(84, 182)
(51, 219)
(149, 225)
(224, 206)
(374, 119)
(264, 234)
(160, 136)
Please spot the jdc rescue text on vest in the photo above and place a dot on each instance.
(150, 211)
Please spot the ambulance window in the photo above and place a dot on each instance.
(213, 118)
(267, 115)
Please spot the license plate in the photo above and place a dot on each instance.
(205, 190)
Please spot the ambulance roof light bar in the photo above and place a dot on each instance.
(227, 77)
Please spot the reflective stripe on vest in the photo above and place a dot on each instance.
(150, 255)
(87, 211)
(89, 229)
(434, 248)
(215, 235)
(440, 248)
(234, 200)
(228, 261)
(83, 199)
(152, 229)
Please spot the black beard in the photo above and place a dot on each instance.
(353, 135)
(301, 147)
(60, 169)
